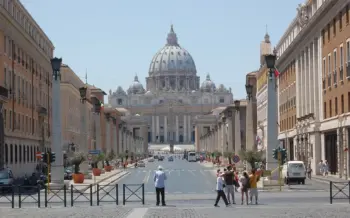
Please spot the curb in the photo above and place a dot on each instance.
(94, 184)
(108, 184)
(327, 181)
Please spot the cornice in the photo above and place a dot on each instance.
(313, 28)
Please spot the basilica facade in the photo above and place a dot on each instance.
(172, 95)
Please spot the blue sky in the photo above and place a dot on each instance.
(114, 39)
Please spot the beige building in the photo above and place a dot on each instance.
(25, 60)
(173, 95)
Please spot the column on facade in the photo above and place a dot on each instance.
(157, 129)
(120, 148)
(165, 129)
(311, 79)
(238, 143)
(189, 126)
(177, 128)
(295, 139)
(230, 136)
(108, 136)
(114, 137)
(153, 129)
(339, 137)
(304, 103)
(307, 79)
(185, 128)
(318, 78)
(97, 117)
(345, 153)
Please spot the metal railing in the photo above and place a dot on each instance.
(73, 195)
(340, 188)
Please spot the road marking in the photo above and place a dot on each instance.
(138, 212)
(192, 192)
(192, 172)
(145, 180)
(202, 173)
(177, 192)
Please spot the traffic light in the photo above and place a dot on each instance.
(44, 157)
(52, 157)
(283, 156)
(275, 154)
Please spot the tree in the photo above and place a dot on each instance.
(122, 156)
(96, 159)
(251, 156)
(110, 157)
(76, 161)
(228, 155)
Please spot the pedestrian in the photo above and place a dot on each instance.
(237, 181)
(321, 167)
(218, 173)
(325, 167)
(229, 177)
(245, 186)
(159, 183)
(253, 182)
(220, 190)
(309, 170)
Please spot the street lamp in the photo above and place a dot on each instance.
(57, 169)
(249, 90)
(82, 91)
(237, 104)
(270, 64)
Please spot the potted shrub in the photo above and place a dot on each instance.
(94, 164)
(78, 158)
(110, 157)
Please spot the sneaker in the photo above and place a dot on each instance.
(234, 203)
(215, 205)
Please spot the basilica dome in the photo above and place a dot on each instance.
(136, 87)
(172, 58)
(208, 85)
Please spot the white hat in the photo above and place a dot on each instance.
(160, 167)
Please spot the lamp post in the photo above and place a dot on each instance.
(272, 132)
(83, 124)
(250, 145)
(237, 127)
(57, 169)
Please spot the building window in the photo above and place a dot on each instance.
(222, 100)
(6, 154)
(20, 153)
(336, 106)
(341, 20)
(330, 108)
(334, 27)
(347, 14)
(348, 101)
(11, 154)
(329, 32)
(335, 67)
(119, 101)
(323, 37)
(24, 153)
(341, 72)
(342, 104)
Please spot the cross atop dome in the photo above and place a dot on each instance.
(136, 78)
(172, 38)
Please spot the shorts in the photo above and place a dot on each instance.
(253, 192)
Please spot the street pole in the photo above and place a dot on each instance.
(272, 131)
(279, 170)
(57, 170)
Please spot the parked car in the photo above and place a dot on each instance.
(161, 158)
(68, 173)
(6, 179)
(141, 164)
(151, 160)
(171, 158)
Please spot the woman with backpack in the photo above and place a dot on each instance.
(245, 186)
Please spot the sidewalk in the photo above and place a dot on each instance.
(327, 179)
(103, 179)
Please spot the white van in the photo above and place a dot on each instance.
(192, 157)
(294, 171)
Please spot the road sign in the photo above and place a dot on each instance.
(38, 155)
(94, 152)
(89, 157)
(236, 159)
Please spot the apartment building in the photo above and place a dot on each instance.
(335, 44)
(25, 60)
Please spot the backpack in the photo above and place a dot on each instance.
(246, 183)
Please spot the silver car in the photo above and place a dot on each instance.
(141, 164)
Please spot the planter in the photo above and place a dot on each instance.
(96, 171)
(108, 168)
(78, 178)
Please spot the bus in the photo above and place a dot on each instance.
(192, 157)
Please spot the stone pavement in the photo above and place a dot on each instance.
(265, 211)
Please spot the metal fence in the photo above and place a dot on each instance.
(341, 191)
(36, 196)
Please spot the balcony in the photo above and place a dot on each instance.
(4, 94)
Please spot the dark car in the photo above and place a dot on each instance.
(170, 158)
(68, 173)
(161, 158)
(6, 180)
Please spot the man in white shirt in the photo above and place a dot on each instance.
(220, 190)
(159, 182)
